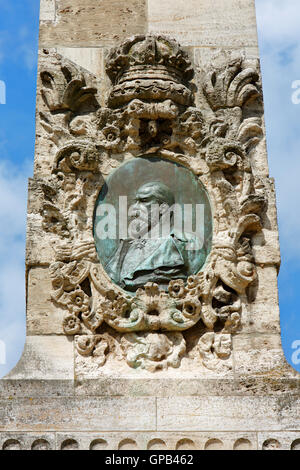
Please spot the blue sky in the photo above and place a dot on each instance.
(278, 28)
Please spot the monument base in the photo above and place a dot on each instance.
(62, 411)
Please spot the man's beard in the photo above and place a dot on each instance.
(151, 228)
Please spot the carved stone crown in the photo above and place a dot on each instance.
(147, 66)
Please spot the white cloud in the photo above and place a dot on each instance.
(28, 54)
(278, 19)
(13, 201)
(19, 46)
(278, 28)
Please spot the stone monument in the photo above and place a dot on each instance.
(135, 341)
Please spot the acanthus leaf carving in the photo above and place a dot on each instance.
(230, 84)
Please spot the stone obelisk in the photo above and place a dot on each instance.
(150, 343)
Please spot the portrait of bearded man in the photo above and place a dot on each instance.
(153, 255)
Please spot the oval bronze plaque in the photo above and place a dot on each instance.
(152, 223)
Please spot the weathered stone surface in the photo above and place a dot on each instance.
(47, 10)
(93, 23)
(44, 358)
(136, 440)
(43, 318)
(150, 441)
(285, 380)
(28, 441)
(262, 314)
(223, 23)
(204, 55)
(258, 355)
(89, 58)
(63, 414)
(150, 386)
(228, 413)
(278, 441)
(35, 388)
(158, 441)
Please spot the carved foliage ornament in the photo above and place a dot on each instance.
(151, 109)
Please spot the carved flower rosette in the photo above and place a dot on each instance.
(151, 109)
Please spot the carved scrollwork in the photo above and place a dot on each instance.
(97, 346)
(153, 351)
(214, 349)
(151, 309)
(151, 108)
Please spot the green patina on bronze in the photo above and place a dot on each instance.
(131, 263)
